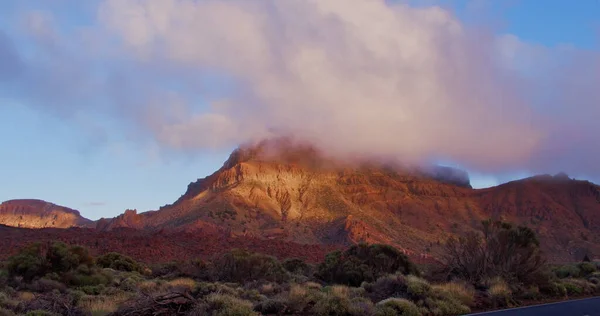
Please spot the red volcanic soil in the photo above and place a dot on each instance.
(156, 247)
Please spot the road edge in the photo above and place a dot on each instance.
(533, 306)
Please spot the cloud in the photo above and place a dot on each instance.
(10, 64)
(353, 76)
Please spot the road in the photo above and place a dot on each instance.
(583, 307)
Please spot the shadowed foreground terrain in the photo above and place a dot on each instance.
(154, 247)
(499, 267)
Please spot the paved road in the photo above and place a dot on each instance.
(583, 307)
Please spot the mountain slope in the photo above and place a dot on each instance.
(40, 214)
(293, 193)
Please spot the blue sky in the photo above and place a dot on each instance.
(64, 158)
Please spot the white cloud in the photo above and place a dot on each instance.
(355, 76)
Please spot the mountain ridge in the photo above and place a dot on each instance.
(293, 193)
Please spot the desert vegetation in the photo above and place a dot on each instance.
(499, 266)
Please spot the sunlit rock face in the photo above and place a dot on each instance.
(39, 214)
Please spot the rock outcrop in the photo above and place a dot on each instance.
(40, 214)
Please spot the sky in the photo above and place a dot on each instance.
(107, 105)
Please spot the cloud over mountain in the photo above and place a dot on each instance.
(352, 76)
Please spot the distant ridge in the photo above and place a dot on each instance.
(293, 193)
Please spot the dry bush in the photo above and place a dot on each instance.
(54, 302)
(164, 304)
(512, 253)
(393, 285)
(185, 284)
(462, 292)
(499, 292)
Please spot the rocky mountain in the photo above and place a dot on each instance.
(40, 214)
(279, 190)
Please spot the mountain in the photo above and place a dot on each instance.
(290, 192)
(40, 214)
(287, 191)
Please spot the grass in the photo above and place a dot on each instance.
(500, 292)
(185, 283)
(100, 305)
(455, 290)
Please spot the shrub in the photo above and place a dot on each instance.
(512, 253)
(455, 291)
(398, 306)
(417, 288)
(6, 312)
(226, 305)
(300, 297)
(394, 285)
(241, 265)
(586, 268)
(117, 261)
(567, 271)
(578, 286)
(296, 266)
(99, 305)
(92, 277)
(362, 263)
(441, 307)
(500, 292)
(196, 269)
(271, 306)
(44, 285)
(7, 301)
(53, 303)
(37, 260)
(332, 304)
(182, 283)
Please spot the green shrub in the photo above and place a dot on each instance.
(417, 288)
(567, 271)
(398, 306)
(587, 268)
(241, 265)
(338, 300)
(226, 305)
(296, 266)
(447, 307)
(363, 263)
(578, 286)
(117, 261)
(95, 277)
(573, 289)
(37, 260)
(93, 289)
